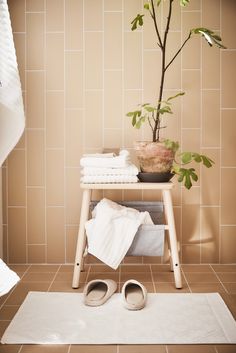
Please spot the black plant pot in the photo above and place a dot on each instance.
(146, 177)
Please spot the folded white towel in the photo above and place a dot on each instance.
(111, 232)
(103, 179)
(130, 170)
(8, 278)
(121, 161)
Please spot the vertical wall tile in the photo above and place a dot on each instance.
(34, 5)
(191, 254)
(228, 196)
(55, 61)
(149, 34)
(192, 6)
(93, 119)
(35, 41)
(35, 158)
(132, 99)
(228, 79)
(55, 178)
(54, 109)
(35, 99)
(17, 15)
(74, 80)
(211, 14)
(191, 85)
(133, 60)
(228, 240)
(211, 118)
(113, 138)
(19, 42)
(4, 179)
(93, 63)
(55, 235)
(173, 73)
(175, 24)
(191, 216)
(210, 179)
(172, 121)
(112, 95)
(191, 52)
(151, 78)
(74, 24)
(16, 178)
(71, 241)
(113, 40)
(54, 15)
(74, 137)
(73, 195)
(210, 67)
(112, 5)
(17, 235)
(36, 254)
(228, 23)
(36, 216)
(209, 234)
(131, 9)
(93, 15)
(228, 138)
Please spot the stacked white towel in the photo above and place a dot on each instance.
(108, 168)
(112, 229)
(8, 278)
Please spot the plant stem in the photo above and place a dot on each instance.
(153, 15)
(156, 129)
(177, 53)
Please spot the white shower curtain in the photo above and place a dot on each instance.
(12, 119)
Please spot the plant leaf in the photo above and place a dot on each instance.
(207, 162)
(177, 95)
(146, 6)
(211, 37)
(186, 157)
(138, 20)
(184, 2)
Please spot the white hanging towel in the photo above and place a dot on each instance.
(12, 119)
(8, 278)
(112, 229)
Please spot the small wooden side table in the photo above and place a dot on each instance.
(169, 216)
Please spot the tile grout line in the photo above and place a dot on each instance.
(183, 274)
(54, 277)
(64, 137)
(45, 153)
(219, 279)
(153, 283)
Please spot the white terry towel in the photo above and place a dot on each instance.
(112, 229)
(130, 170)
(8, 278)
(103, 179)
(121, 161)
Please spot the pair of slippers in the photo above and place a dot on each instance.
(98, 291)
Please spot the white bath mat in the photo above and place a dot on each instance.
(62, 318)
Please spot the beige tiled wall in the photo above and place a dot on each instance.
(82, 69)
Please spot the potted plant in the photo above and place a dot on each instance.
(159, 157)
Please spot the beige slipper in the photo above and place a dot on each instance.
(97, 291)
(134, 295)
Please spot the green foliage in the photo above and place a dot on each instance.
(137, 21)
(211, 37)
(184, 2)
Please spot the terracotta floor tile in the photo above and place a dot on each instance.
(135, 268)
(108, 275)
(7, 312)
(196, 268)
(12, 348)
(93, 348)
(227, 276)
(206, 288)
(161, 268)
(230, 287)
(165, 277)
(142, 348)
(3, 326)
(38, 277)
(203, 277)
(19, 268)
(102, 268)
(133, 260)
(65, 287)
(189, 348)
(139, 276)
(151, 259)
(30, 348)
(20, 292)
(67, 276)
(226, 348)
(170, 288)
(224, 268)
(44, 268)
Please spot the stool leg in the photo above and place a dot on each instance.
(172, 237)
(81, 237)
